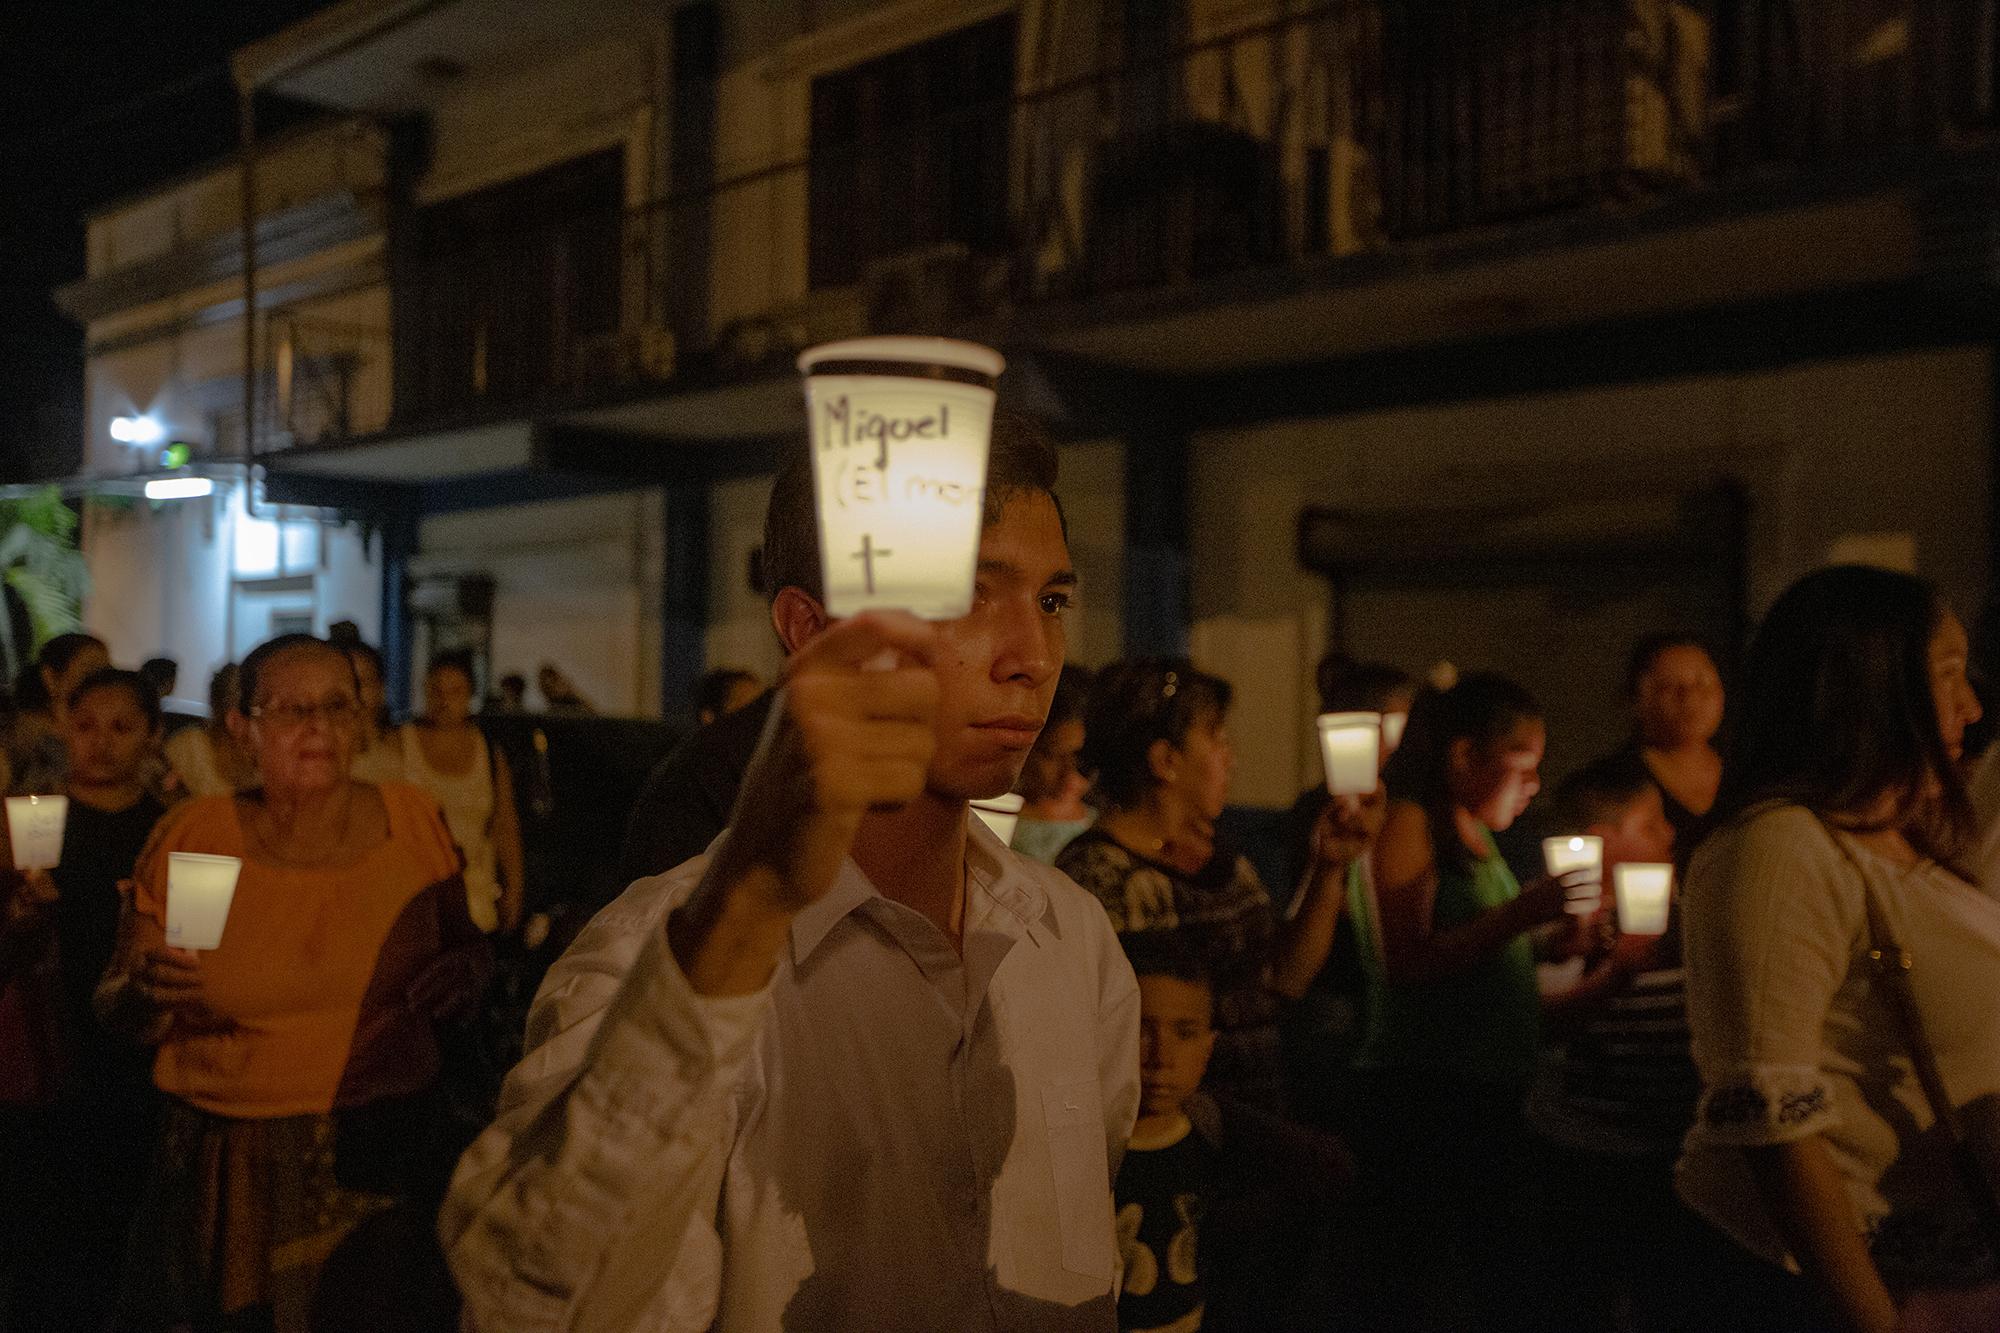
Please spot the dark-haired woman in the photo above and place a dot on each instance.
(1453, 1015)
(207, 760)
(377, 755)
(1157, 747)
(106, 1116)
(35, 757)
(1815, 1146)
(450, 758)
(1052, 785)
(298, 1056)
(1676, 699)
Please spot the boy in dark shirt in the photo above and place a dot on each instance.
(1221, 1207)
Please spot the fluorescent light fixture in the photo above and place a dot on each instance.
(137, 430)
(179, 488)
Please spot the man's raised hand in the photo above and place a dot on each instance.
(852, 730)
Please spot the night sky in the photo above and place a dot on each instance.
(98, 99)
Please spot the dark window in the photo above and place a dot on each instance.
(511, 284)
(910, 149)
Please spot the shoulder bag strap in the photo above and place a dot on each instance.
(1891, 963)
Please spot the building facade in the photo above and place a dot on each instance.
(214, 568)
(1490, 334)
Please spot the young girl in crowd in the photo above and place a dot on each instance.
(1615, 1095)
(1816, 1140)
(34, 741)
(1454, 1013)
(102, 1123)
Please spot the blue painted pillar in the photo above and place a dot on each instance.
(399, 543)
(1159, 612)
(684, 597)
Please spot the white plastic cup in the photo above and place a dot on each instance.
(35, 827)
(200, 888)
(899, 432)
(1644, 891)
(1578, 852)
(1350, 744)
(1001, 814)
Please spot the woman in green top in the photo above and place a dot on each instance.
(1453, 1013)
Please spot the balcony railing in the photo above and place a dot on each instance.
(1354, 127)
(327, 380)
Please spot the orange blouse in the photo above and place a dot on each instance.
(314, 972)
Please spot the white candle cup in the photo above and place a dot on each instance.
(1001, 814)
(35, 827)
(1645, 891)
(1578, 852)
(199, 890)
(1351, 746)
(899, 435)
(1392, 730)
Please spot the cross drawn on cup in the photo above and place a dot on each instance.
(866, 555)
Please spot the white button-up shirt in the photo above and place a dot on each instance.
(890, 1136)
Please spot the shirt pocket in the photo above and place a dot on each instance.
(1074, 1114)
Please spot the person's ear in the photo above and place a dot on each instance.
(1163, 761)
(239, 726)
(798, 618)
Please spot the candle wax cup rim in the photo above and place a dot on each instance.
(914, 350)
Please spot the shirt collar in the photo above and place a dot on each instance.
(997, 887)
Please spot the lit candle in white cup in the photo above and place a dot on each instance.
(899, 435)
(1644, 890)
(199, 890)
(1578, 852)
(35, 827)
(1351, 746)
(1001, 814)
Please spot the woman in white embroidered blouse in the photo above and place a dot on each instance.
(1815, 1147)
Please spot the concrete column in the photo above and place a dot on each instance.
(1159, 613)
(399, 542)
(684, 597)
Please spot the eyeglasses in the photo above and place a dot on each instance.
(338, 710)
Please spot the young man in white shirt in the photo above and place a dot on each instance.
(860, 1066)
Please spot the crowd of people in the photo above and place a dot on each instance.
(216, 1127)
(842, 1058)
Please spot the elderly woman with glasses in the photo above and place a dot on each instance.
(298, 1057)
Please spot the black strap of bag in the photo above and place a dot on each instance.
(1891, 963)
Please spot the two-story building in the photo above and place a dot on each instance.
(1497, 334)
(187, 556)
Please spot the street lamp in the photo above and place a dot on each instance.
(179, 488)
(141, 430)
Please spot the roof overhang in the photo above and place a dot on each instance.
(394, 57)
(415, 459)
